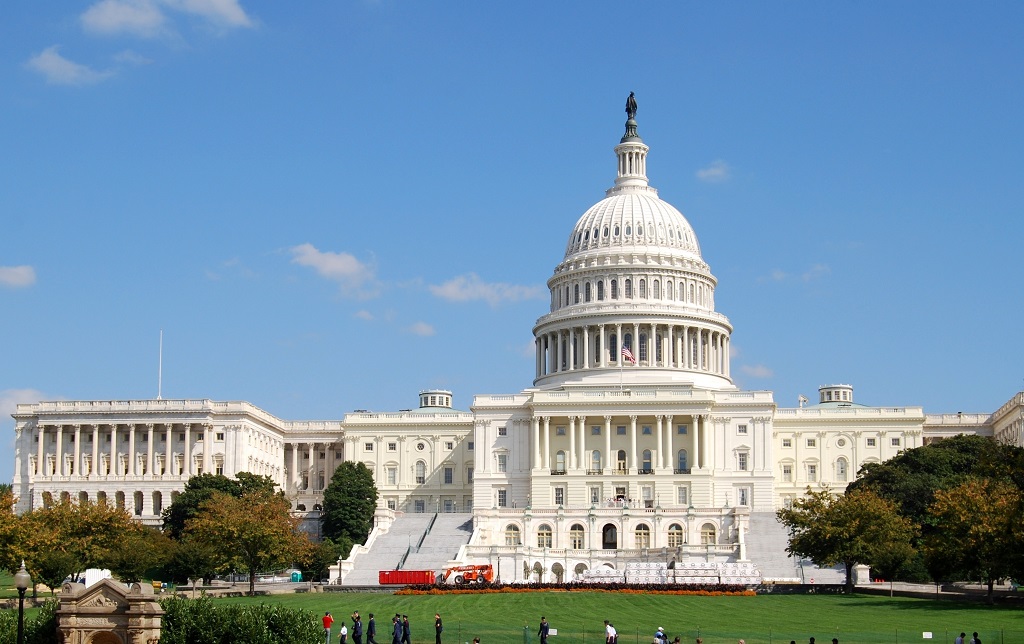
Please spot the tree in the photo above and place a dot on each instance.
(140, 552)
(10, 530)
(980, 532)
(349, 503)
(199, 489)
(191, 559)
(858, 527)
(255, 532)
(53, 567)
(321, 557)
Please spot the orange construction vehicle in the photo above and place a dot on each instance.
(481, 574)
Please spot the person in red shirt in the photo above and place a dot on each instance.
(328, 620)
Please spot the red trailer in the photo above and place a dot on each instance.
(405, 577)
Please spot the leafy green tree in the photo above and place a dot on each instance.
(321, 556)
(858, 527)
(191, 559)
(349, 503)
(53, 567)
(10, 531)
(255, 532)
(981, 532)
(199, 489)
(138, 553)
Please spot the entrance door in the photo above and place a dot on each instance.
(609, 537)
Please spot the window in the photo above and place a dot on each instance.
(220, 436)
(392, 504)
(544, 536)
(841, 469)
(871, 442)
(600, 291)
(812, 473)
(646, 430)
(576, 294)
(741, 429)
(595, 460)
(615, 286)
(502, 462)
(199, 438)
(675, 536)
(787, 442)
(576, 537)
(620, 458)
(559, 495)
(469, 446)
(367, 447)
(449, 475)
(419, 506)
(595, 430)
(560, 461)
(449, 445)
(392, 475)
(392, 447)
(502, 431)
(629, 287)
(560, 431)
(502, 498)
(595, 494)
(743, 496)
(812, 442)
(682, 462)
(586, 292)
(681, 429)
(646, 465)
(895, 442)
(620, 431)
(512, 534)
(421, 472)
(643, 288)
(741, 461)
(469, 474)
(707, 534)
(682, 495)
(787, 473)
(642, 534)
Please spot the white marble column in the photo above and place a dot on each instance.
(94, 467)
(77, 467)
(572, 350)
(602, 359)
(150, 449)
(207, 448)
(546, 451)
(583, 458)
(168, 450)
(131, 449)
(585, 363)
(113, 450)
(58, 461)
(659, 428)
(186, 449)
(697, 452)
(572, 465)
(40, 451)
(608, 460)
(296, 479)
(632, 443)
(536, 443)
(670, 452)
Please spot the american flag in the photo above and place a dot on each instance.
(628, 355)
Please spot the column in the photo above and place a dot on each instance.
(149, 449)
(582, 448)
(94, 468)
(571, 350)
(632, 442)
(295, 467)
(168, 451)
(311, 472)
(670, 346)
(619, 345)
(77, 468)
(652, 347)
(571, 465)
(41, 455)
(585, 363)
(670, 452)
(113, 449)
(659, 428)
(608, 444)
(131, 450)
(558, 352)
(697, 453)
(636, 345)
(537, 349)
(700, 350)
(685, 358)
(704, 435)
(58, 461)
(207, 448)
(546, 452)
(536, 442)
(602, 359)
(186, 457)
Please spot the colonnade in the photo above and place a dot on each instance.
(596, 346)
(317, 464)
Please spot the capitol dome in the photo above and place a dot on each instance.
(632, 296)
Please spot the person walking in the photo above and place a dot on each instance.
(357, 628)
(406, 632)
(545, 628)
(975, 639)
(610, 634)
(371, 630)
(659, 636)
(343, 633)
(438, 628)
(396, 630)
(328, 620)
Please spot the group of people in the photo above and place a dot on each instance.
(400, 630)
(974, 639)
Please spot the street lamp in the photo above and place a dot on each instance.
(22, 581)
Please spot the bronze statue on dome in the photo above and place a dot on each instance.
(631, 107)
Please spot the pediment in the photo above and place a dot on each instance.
(106, 594)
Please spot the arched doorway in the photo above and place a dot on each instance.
(559, 572)
(104, 638)
(609, 537)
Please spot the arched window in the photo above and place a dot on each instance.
(642, 534)
(613, 348)
(567, 296)
(595, 460)
(842, 468)
(675, 536)
(643, 347)
(656, 287)
(707, 534)
(643, 289)
(657, 347)
(576, 537)
(627, 341)
(544, 536)
(682, 462)
(512, 535)
(609, 537)
(670, 290)
(600, 290)
(615, 289)
(629, 288)
(597, 345)
(620, 460)
(586, 292)
(560, 461)
(691, 293)
(421, 472)
(646, 454)
(576, 294)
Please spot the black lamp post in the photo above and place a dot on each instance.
(22, 581)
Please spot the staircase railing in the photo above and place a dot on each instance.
(427, 531)
(401, 562)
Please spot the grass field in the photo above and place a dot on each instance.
(579, 616)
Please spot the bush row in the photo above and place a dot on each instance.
(41, 628)
(659, 589)
(201, 621)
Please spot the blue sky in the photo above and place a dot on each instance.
(333, 205)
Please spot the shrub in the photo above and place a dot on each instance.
(39, 629)
(201, 621)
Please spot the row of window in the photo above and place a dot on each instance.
(696, 293)
(841, 442)
(420, 446)
(141, 438)
(609, 534)
(420, 474)
(613, 231)
(841, 469)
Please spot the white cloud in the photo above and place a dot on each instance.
(717, 172)
(17, 276)
(9, 399)
(421, 328)
(363, 315)
(129, 57)
(352, 275)
(225, 13)
(816, 272)
(465, 288)
(61, 71)
(757, 371)
(141, 18)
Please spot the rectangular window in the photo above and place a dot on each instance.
(681, 429)
(449, 475)
(741, 429)
(895, 442)
(646, 430)
(392, 475)
(595, 494)
(620, 431)
(743, 496)
(502, 498)
(449, 445)
(419, 506)
(502, 462)
(181, 437)
(469, 446)
(812, 473)
(392, 504)
(787, 473)
(871, 442)
(682, 495)
(367, 447)
(392, 447)
(812, 442)
(559, 496)
(469, 474)
(741, 459)
(787, 442)
(220, 469)
(502, 431)
(199, 438)
(595, 431)
(220, 436)
(560, 431)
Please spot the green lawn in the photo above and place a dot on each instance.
(578, 616)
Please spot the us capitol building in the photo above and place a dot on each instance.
(633, 436)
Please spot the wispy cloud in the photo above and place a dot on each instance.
(717, 172)
(757, 371)
(232, 267)
(9, 399)
(363, 315)
(422, 329)
(129, 57)
(17, 276)
(148, 18)
(816, 272)
(354, 277)
(61, 71)
(469, 287)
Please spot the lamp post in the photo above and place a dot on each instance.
(22, 581)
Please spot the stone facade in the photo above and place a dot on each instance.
(108, 612)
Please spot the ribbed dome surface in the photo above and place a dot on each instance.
(632, 220)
